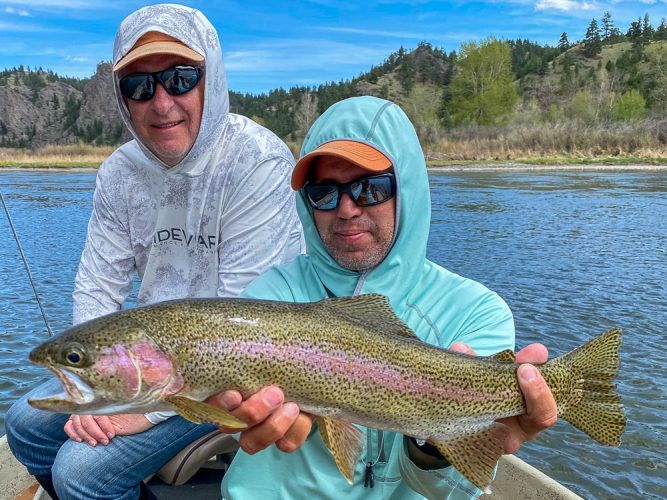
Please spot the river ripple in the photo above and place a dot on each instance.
(572, 253)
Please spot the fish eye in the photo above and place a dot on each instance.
(74, 355)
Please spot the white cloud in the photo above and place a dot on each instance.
(564, 5)
(77, 58)
(18, 12)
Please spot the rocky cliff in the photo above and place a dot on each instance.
(39, 108)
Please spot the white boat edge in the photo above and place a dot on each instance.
(515, 480)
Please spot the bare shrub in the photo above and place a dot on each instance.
(567, 137)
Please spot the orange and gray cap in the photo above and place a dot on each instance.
(155, 42)
(359, 153)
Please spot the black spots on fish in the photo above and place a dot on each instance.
(588, 373)
(476, 451)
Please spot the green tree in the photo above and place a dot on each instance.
(406, 74)
(563, 43)
(607, 26)
(652, 77)
(647, 31)
(384, 90)
(483, 91)
(592, 40)
(630, 106)
(422, 109)
(661, 32)
(582, 107)
(553, 114)
(635, 34)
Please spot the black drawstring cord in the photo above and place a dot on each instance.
(369, 476)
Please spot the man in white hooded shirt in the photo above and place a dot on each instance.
(198, 204)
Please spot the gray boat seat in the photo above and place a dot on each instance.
(191, 458)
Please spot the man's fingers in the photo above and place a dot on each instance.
(259, 406)
(229, 400)
(79, 430)
(69, 430)
(90, 425)
(536, 354)
(541, 410)
(462, 348)
(297, 434)
(272, 429)
(106, 426)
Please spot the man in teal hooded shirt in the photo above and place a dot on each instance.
(370, 236)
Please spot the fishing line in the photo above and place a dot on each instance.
(25, 264)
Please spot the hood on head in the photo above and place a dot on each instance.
(195, 31)
(384, 126)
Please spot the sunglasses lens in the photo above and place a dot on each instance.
(179, 79)
(138, 86)
(373, 191)
(322, 196)
(176, 81)
(364, 192)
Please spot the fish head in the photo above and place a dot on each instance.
(106, 366)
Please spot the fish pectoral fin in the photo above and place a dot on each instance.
(345, 442)
(506, 356)
(476, 454)
(198, 412)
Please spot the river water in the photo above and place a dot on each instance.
(573, 254)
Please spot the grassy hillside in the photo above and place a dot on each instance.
(600, 99)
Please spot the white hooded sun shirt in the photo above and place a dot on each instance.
(202, 228)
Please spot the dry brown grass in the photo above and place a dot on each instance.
(69, 155)
(565, 139)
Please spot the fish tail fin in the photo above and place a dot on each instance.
(588, 400)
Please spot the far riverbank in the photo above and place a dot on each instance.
(472, 167)
(85, 158)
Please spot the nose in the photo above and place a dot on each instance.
(347, 208)
(162, 102)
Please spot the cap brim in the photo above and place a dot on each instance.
(159, 47)
(359, 153)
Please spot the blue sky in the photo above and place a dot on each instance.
(270, 44)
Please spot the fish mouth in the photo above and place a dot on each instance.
(76, 391)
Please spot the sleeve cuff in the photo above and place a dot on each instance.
(159, 416)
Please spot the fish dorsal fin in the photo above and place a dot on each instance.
(345, 442)
(506, 356)
(198, 412)
(370, 310)
(476, 454)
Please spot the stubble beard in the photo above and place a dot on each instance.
(352, 258)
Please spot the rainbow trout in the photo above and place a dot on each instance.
(344, 360)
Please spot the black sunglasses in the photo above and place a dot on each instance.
(176, 80)
(365, 192)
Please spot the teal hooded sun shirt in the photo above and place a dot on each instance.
(440, 306)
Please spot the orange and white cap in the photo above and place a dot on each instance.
(359, 153)
(155, 42)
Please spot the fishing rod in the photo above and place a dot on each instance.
(25, 264)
